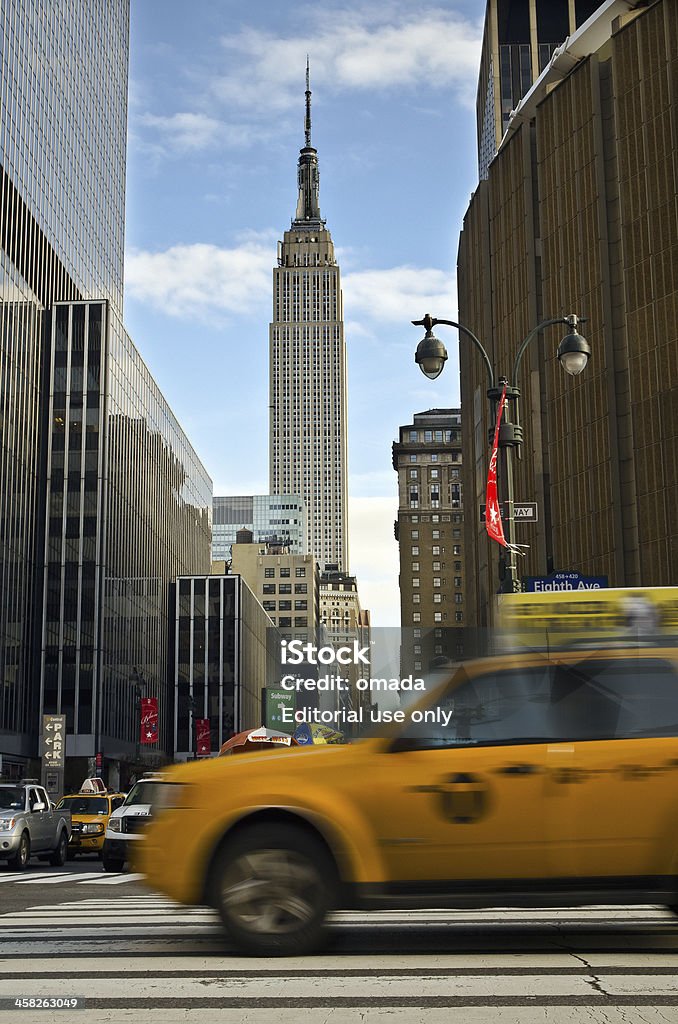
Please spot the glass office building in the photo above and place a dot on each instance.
(63, 114)
(102, 498)
(226, 653)
(128, 509)
(269, 516)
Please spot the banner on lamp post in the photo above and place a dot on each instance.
(493, 523)
(203, 737)
(148, 726)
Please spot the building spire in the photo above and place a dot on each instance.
(307, 120)
(308, 203)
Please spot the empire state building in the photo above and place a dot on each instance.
(308, 370)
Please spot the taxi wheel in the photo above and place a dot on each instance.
(273, 886)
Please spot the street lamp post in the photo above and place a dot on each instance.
(139, 684)
(192, 708)
(573, 354)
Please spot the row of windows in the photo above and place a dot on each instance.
(284, 572)
(285, 588)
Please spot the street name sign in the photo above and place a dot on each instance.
(563, 581)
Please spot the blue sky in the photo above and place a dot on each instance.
(215, 125)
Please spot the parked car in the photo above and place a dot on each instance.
(90, 813)
(532, 780)
(127, 823)
(29, 824)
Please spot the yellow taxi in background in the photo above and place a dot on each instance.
(530, 780)
(90, 812)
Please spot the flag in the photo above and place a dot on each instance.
(148, 726)
(493, 523)
(203, 737)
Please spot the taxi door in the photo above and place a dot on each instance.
(462, 794)
(622, 778)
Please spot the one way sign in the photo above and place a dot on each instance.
(525, 512)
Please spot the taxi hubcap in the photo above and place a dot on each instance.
(270, 891)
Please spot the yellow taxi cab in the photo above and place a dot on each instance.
(90, 810)
(526, 780)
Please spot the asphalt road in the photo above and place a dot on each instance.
(132, 955)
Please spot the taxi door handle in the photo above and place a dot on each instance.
(519, 769)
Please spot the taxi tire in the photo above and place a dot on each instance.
(58, 857)
(320, 880)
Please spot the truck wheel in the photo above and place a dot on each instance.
(22, 856)
(273, 887)
(112, 863)
(58, 858)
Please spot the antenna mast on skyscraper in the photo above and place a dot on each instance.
(307, 120)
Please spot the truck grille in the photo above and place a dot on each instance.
(135, 823)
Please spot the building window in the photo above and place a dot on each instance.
(436, 566)
(416, 616)
(458, 598)
(415, 581)
(301, 588)
(413, 474)
(268, 588)
(269, 573)
(284, 588)
(435, 550)
(415, 534)
(456, 550)
(285, 572)
(437, 598)
(417, 666)
(457, 581)
(301, 621)
(459, 616)
(415, 549)
(436, 581)
(300, 606)
(269, 606)
(437, 616)
(413, 458)
(415, 566)
(434, 474)
(300, 571)
(416, 598)
(417, 648)
(285, 620)
(285, 606)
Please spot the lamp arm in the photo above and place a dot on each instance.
(430, 322)
(526, 341)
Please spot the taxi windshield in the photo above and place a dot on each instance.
(11, 799)
(84, 804)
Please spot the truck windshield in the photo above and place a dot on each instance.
(11, 799)
(84, 804)
(141, 793)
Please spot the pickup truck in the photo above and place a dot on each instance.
(29, 825)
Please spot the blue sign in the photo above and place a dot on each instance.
(303, 734)
(563, 582)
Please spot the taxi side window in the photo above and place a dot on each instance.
(497, 708)
(623, 699)
(116, 802)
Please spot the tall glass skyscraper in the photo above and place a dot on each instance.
(102, 499)
(308, 431)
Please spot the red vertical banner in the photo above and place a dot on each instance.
(203, 737)
(493, 523)
(148, 726)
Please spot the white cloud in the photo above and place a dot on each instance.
(393, 294)
(186, 132)
(373, 554)
(199, 280)
(433, 47)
